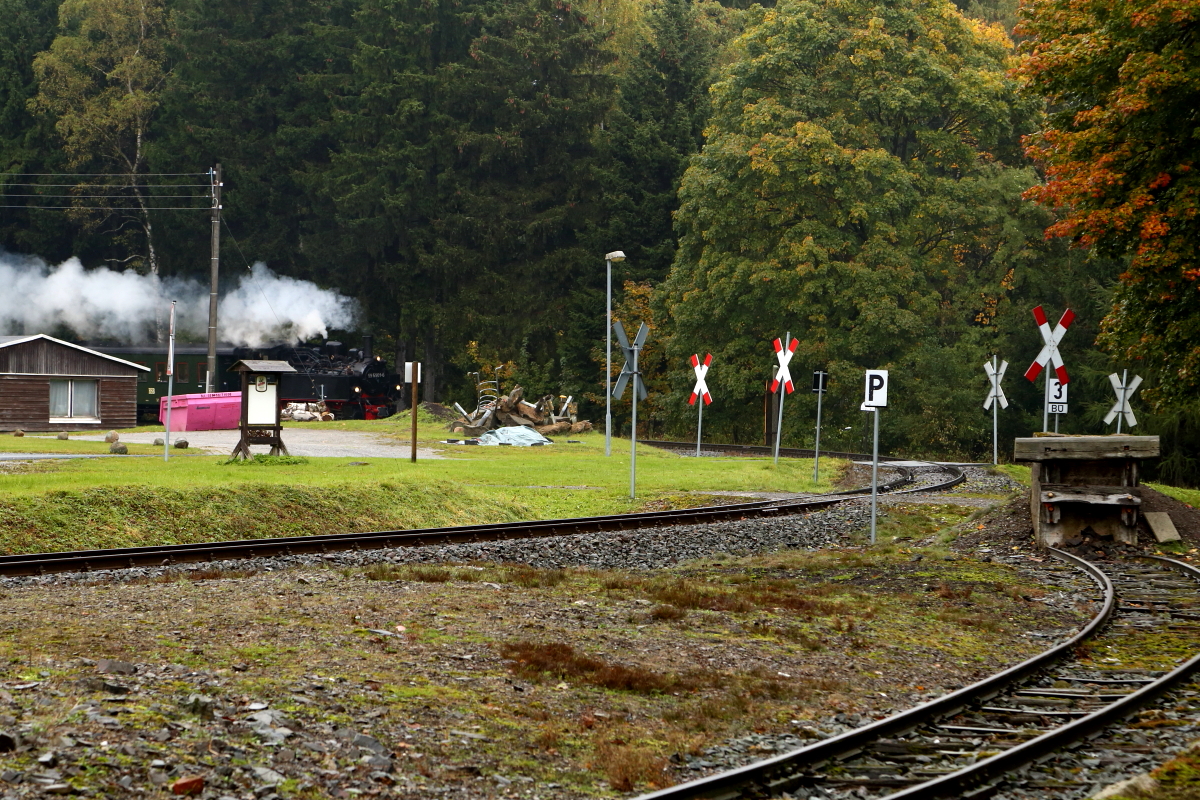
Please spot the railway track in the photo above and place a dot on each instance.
(988, 738)
(85, 561)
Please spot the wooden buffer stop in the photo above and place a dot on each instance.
(1082, 482)
(260, 406)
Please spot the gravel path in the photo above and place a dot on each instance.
(312, 442)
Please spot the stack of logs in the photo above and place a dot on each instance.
(512, 409)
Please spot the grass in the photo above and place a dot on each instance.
(42, 443)
(92, 503)
(1189, 496)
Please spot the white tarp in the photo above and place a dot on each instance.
(514, 435)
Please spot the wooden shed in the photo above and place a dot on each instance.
(48, 385)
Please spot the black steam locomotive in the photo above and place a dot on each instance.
(352, 382)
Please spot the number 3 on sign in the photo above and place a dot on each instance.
(1058, 396)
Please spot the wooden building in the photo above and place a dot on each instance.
(49, 385)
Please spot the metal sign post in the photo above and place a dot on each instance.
(1049, 355)
(784, 350)
(1121, 410)
(609, 258)
(700, 390)
(412, 374)
(170, 383)
(995, 401)
(874, 399)
(820, 384)
(639, 389)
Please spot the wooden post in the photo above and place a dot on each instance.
(415, 366)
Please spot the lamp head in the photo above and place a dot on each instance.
(615, 255)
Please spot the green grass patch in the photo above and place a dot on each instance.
(1018, 472)
(94, 503)
(41, 443)
(1189, 496)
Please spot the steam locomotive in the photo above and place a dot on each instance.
(353, 383)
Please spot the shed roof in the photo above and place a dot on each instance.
(255, 365)
(9, 341)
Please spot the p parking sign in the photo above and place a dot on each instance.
(876, 389)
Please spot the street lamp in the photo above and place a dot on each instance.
(609, 258)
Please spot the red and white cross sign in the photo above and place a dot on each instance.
(701, 388)
(1050, 348)
(784, 355)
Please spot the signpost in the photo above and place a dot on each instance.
(820, 384)
(784, 350)
(700, 390)
(995, 401)
(874, 399)
(630, 369)
(412, 376)
(170, 383)
(1057, 399)
(1121, 409)
(1050, 355)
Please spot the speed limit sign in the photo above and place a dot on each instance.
(1058, 396)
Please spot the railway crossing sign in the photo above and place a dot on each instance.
(783, 354)
(1121, 410)
(995, 400)
(1049, 355)
(630, 369)
(700, 390)
(1058, 396)
(995, 376)
(784, 350)
(1051, 340)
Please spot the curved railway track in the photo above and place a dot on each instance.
(972, 742)
(84, 561)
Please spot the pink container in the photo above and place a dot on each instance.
(219, 411)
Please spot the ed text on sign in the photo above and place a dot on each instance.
(700, 390)
(995, 376)
(784, 355)
(1058, 396)
(1051, 340)
(876, 389)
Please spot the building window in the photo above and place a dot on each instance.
(181, 372)
(74, 401)
(160, 372)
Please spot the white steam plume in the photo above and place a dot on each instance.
(128, 307)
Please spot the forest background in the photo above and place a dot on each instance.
(856, 172)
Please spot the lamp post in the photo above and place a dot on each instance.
(609, 258)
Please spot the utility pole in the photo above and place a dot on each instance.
(215, 267)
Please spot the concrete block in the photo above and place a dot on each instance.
(1161, 526)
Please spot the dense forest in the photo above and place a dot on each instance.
(896, 183)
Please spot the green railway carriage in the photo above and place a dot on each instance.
(191, 369)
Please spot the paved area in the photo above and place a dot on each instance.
(312, 442)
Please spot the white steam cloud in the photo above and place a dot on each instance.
(102, 304)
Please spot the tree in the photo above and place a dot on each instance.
(1120, 149)
(101, 81)
(860, 184)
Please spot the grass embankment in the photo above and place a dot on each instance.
(84, 504)
(592, 679)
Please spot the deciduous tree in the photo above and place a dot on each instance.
(1120, 150)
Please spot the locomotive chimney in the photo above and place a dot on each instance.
(367, 352)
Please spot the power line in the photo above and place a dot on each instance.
(114, 208)
(114, 185)
(93, 196)
(107, 174)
